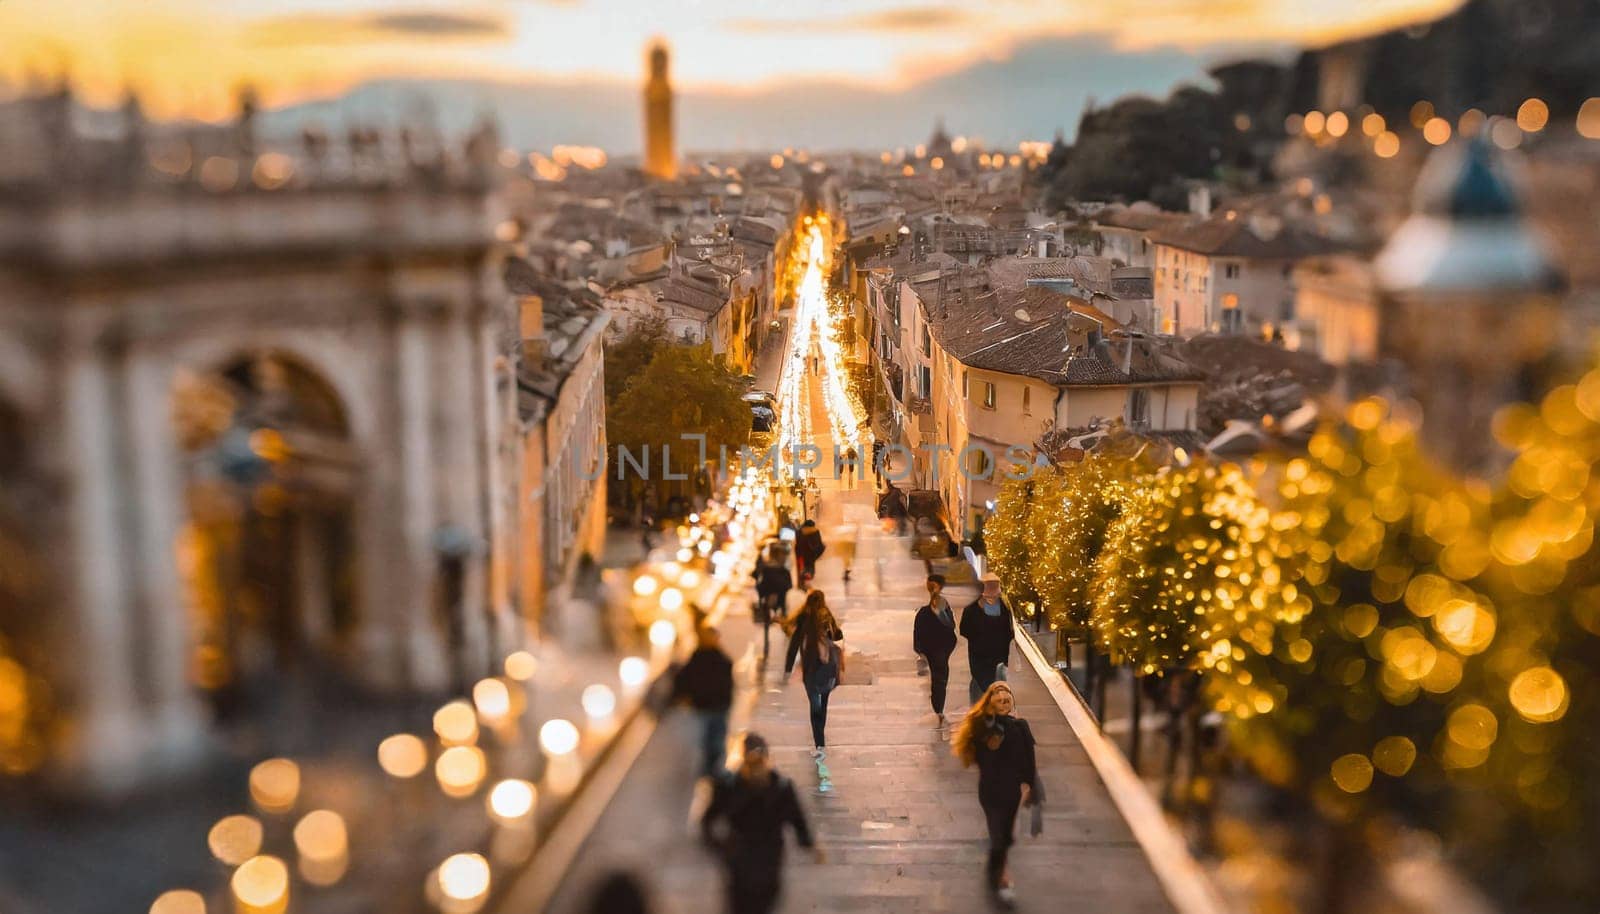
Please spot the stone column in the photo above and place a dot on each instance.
(459, 479)
(151, 483)
(106, 745)
(426, 653)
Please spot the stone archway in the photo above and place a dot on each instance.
(267, 550)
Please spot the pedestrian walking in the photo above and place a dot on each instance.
(851, 456)
(986, 624)
(844, 542)
(705, 682)
(773, 583)
(933, 637)
(744, 825)
(808, 547)
(1002, 747)
(814, 641)
(877, 462)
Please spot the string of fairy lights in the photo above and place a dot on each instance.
(814, 329)
(484, 755)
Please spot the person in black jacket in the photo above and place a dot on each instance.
(1002, 747)
(986, 624)
(814, 640)
(705, 681)
(744, 824)
(808, 547)
(933, 635)
(773, 583)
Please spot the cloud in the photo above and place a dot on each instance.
(901, 19)
(377, 28)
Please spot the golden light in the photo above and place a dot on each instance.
(690, 579)
(1467, 626)
(644, 585)
(218, 174)
(599, 702)
(1294, 124)
(459, 770)
(1470, 122)
(907, 170)
(261, 886)
(1015, 161)
(936, 163)
(275, 784)
(1338, 124)
(671, 599)
(272, 170)
(179, 901)
(885, 158)
(323, 843)
(1539, 695)
(456, 724)
(1387, 145)
(507, 231)
(663, 633)
(402, 756)
(1315, 122)
(921, 151)
(1436, 131)
(1533, 115)
(1352, 772)
(234, 839)
(1473, 727)
(521, 666)
(558, 737)
(633, 671)
(776, 161)
(511, 801)
(1588, 123)
(1421, 114)
(1394, 755)
(463, 882)
(1373, 124)
(492, 699)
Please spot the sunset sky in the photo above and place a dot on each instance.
(186, 56)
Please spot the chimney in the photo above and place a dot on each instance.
(1200, 200)
(530, 317)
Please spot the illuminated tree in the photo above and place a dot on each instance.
(1005, 540)
(1521, 742)
(1342, 698)
(1187, 563)
(1074, 507)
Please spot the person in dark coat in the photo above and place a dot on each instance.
(744, 825)
(986, 624)
(933, 636)
(773, 583)
(814, 640)
(808, 547)
(705, 682)
(1002, 746)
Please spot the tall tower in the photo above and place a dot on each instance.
(659, 158)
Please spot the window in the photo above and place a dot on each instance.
(927, 342)
(927, 381)
(966, 385)
(1139, 407)
(988, 395)
(1027, 397)
(977, 463)
(1231, 271)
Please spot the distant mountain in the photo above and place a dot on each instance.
(1039, 89)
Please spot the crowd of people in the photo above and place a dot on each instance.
(751, 806)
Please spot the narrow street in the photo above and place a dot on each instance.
(902, 826)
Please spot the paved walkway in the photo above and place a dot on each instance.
(902, 826)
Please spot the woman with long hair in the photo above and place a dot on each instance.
(1001, 745)
(815, 638)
